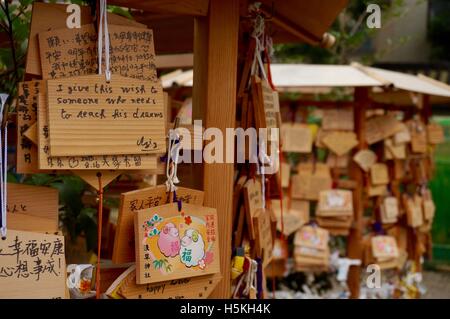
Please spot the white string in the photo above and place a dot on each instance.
(173, 154)
(103, 33)
(264, 158)
(3, 167)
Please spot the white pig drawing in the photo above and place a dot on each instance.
(192, 248)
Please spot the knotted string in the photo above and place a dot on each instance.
(103, 33)
(3, 167)
(173, 154)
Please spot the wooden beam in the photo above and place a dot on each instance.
(185, 7)
(220, 90)
(172, 61)
(354, 246)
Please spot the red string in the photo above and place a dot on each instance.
(269, 72)
(99, 233)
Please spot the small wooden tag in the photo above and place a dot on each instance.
(379, 174)
(394, 151)
(338, 119)
(125, 116)
(414, 211)
(310, 180)
(380, 127)
(435, 133)
(297, 138)
(340, 142)
(173, 245)
(365, 159)
(253, 202)
(389, 210)
(27, 152)
(131, 202)
(263, 235)
(403, 135)
(384, 247)
(336, 202)
(32, 266)
(312, 237)
(418, 136)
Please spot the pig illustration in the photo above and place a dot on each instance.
(168, 241)
(192, 249)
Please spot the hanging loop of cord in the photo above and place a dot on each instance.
(3, 166)
(103, 35)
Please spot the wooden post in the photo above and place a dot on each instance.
(355, 247)
(214, 98)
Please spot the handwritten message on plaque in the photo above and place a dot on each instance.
(92, 162)
(32, 265)
(172, 244)
(73, 52)
(27, 100)
(88, 116)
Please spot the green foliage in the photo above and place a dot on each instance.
(351, 33)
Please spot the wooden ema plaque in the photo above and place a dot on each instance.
(88, 116)
(172, 244)
(379, 174)
(268, 115)
(380, 127)
(297, 138)
(310, 180)
(263, 235)
(187, 288)
(338, 119)
(394, 151)
(131, 202)
(365, 159)
(73, 52)
(94, 162)
(435, 133)
(335, 202)
(32, 266)
(253, 202)
(340, 142)
(389, 210)
(27, 101)
(51, 16)
(32, 208)
(384, 247)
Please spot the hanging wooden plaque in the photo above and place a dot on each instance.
(172, 244)
(27, 101)
(94, 162)
(32, 266)
(435, 133)
(403, 135)
(32, 208)
(418, 136)
(297, 138)
(186, 288)
(384, 247)
(131, 202)
(429, 207)
(263, 235)
(253, 202)
(338, 119)
(340, 142)
(310, 180)
(380, 127)
(365, 159)
(268, 117)
(88, 116)
(376, 190)
(414, 211)
(312, 237)
(285, 174)
(394, 151)
(73, 52)
(379, 174)
(51, 16)
(389, 210)
(335, 202)
(335, 161)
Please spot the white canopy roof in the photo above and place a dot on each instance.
(300, 76)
